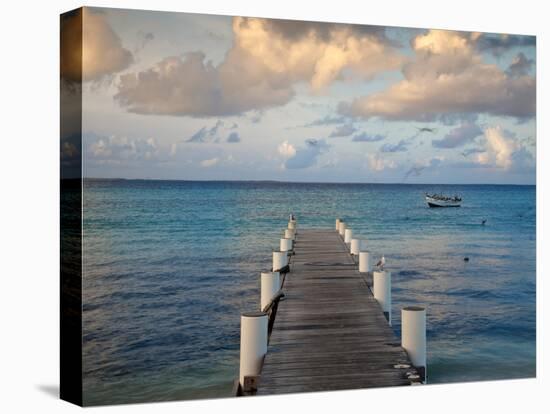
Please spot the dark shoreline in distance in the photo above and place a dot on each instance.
(92, 179)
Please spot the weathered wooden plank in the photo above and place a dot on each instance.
(329, 332)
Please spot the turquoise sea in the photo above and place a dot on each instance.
(170, 265)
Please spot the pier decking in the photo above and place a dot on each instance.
(329, 332)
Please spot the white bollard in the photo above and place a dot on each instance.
(253, 344)
(270, 283)
(337, 224)
(413, 336)
(382, 291)
(292, 225)
(355, 246)
(290, 234)
(280, 260)
(285, 245)
(348, 235)
(365, 265)
(342, 228)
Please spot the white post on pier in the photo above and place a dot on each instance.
(355, 246)
(290, 234)
(280, 260)
(292, 225)
(365, 264)
(338, 224)
(270, 283)
(342, 228)
(382, 291)
(285, 245)
(253, 344)
(413, 337)
(348, 234)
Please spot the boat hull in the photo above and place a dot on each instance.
(435, 203)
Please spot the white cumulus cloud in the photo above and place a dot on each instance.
(500, 147)
(377, 163)
(505, 151)
(267, 59)
(121, 148)
(286, 149)
(307, 155)
(209, 162)
(448, 76)
(90, 48)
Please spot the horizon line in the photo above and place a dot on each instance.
(283, 181)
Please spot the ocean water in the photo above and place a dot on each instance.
(170, 265)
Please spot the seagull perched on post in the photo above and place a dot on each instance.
(381, 263)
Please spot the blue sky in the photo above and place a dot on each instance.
(197, 97)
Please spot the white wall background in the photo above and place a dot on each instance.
(29, 164)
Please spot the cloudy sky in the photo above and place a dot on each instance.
(186, 96)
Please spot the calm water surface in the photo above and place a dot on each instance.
(169, 266)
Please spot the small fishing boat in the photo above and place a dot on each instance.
(439, 200)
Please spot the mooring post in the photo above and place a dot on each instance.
(290, 234)
(382, 291)
(337, 224)
(355, 246)
(280, 260)
(342, 228)
(348, 234)
(413, 337)
(292, 225)
(270, 283)
(285, 245)
(365, 265)
(253, 348)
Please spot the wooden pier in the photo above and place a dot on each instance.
(329, 331)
